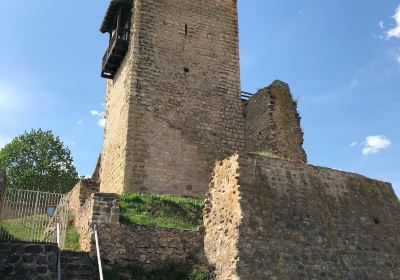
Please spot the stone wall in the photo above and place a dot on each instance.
(268, 218)
(28, 261)
(125, 245)
(100, 209)
(81, 193)
(96, 172)
(222, 217)
(273, 123)
(174, 106)
(150, 247)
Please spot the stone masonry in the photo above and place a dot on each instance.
(173, 112)
(174, 106)
(100, 209)
(126, 244)
(150, 247)
(19, 260)
(273, 123)
(81, 193)
(268, 218)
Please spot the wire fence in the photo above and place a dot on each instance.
(32, 216)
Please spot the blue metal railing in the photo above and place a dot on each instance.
(246, 95)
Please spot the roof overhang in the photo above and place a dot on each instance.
(113, 8)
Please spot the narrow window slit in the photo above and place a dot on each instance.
(186, 30)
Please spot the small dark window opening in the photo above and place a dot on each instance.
(186, 70)
(186, 30)
(377, 221)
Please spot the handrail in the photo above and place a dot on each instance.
(44, 239)
(246, 95)
(59, 248)
(98, 252)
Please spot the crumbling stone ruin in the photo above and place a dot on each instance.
(175, 117)
(269, 218)
(273, 124)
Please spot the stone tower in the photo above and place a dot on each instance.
(273, 124)
(173, 94)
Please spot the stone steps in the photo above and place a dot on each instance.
(78, 266)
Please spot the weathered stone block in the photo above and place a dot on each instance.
(27, 261)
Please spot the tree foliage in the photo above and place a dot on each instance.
(38, 160)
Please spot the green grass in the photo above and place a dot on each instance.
(22, 228)
(165, 211)
(72, 238)
(171, 272)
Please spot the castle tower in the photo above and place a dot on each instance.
(173, 94)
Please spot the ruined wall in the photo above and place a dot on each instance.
(81, 193)
(174, 107)
(96, 172)
(150, 247)
(22, 260)
(222, 217)
(100, 209)
(273, 123)
(300, 222)
(127, 244)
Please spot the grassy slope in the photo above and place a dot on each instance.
(21, 229)
(164, 211)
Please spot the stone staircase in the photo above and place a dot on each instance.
(78, 266)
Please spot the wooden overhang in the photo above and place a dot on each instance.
(108, 21)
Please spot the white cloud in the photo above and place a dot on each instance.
(102, 122)
(381, 24)
(353, 143)
(96, 113)
(376, 143)
(395, 32)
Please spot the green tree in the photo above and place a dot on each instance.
(38, 160)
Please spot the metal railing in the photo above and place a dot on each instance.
(98, 252)
(246, 95)
(25, 216)
(58, 228)
(59, 220)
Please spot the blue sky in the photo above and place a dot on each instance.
(341, 59)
